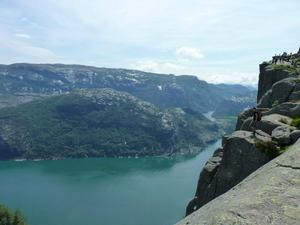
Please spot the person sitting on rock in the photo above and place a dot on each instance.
(256, 118)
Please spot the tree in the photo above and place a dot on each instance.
(7, 217)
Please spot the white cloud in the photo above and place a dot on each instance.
(172, 34)
(179, 69)
(37, 52)
(22, 35)
(189, 53)
(28, 53)
(231, 78)
(159, 67)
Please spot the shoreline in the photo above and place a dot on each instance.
(133, 156)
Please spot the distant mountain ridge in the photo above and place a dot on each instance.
(99, 123)
(63, 111)
(24, 82)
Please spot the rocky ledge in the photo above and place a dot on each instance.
(270, 195)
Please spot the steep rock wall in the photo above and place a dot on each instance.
(231, 164)
(242, 152)
(270, 195)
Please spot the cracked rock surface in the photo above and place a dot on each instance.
(229, 165)
(270, 195)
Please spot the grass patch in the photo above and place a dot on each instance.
(289, 68)
(284, 149)
(269, 148)
(296, 122)
(275, 103)
(297, 62)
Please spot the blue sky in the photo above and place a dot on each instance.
(217, 40)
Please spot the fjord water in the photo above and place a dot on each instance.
(104, 191)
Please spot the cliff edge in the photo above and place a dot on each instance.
(243, 153)
(270, 195)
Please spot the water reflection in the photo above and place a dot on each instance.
(113, 191)
(111, 166)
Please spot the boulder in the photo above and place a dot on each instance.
(248, 114)
(262, 136)
(265, 100)
(268, 123)
(295, 96)
(295, 135)
(240, 158)
(297, 87)
(242, 117)
(282, 89)
(269, 76)
(290, 109)
(281, 135)
(278, 93)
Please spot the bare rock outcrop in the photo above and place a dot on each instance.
(279, 92)
(270, 195)
(290, 109)
(282, 135)
(236, 160)
(268, 123)
(269, 75)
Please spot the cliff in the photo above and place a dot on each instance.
(270, 195)
(243, 152)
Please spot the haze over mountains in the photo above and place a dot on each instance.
(24, 82)
(80, 111)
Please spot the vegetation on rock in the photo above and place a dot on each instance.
(8, 217)
(296, 122)
(291, 69)
(268, 147)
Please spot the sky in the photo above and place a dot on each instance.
(220, 41)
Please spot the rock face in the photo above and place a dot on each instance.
(268, 75)
(238, 158)
(282, 135)
(280, 92)
(295, 135)
(242, 117)
(290, 109)
(270, 195)
(268, 123)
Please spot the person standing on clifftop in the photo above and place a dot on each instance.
(255, 119)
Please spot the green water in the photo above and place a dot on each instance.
(143, 191)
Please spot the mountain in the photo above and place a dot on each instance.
(97, 123)
(234, 105)
(25, 82)
(254, 178)
(59, 111)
